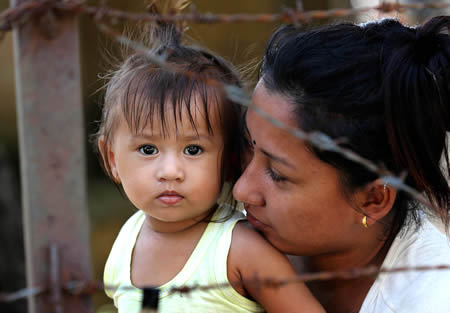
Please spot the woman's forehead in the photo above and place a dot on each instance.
(271, 109)
(268, 135)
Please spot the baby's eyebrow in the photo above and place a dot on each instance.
(146, 136)
(189, 137)
(195, 137)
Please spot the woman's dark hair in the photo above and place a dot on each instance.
(383, 88)
(143, 91)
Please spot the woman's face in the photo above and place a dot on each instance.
(291, 196)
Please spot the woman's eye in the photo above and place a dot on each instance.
(193, 150)
(148, 150)
(275, 176)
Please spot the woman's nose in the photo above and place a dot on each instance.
(170, 169)
(247, 189)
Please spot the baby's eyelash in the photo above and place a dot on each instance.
(193, 150)
(148, 149)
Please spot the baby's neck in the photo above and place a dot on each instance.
(176, 228)
(162, 250)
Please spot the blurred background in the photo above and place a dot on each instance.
(242, 44)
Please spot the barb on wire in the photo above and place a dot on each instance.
(43, 12)
(14, 17)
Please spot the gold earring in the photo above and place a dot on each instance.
(364, 222)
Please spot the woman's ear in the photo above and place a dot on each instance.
(375, 201)
(108, 159)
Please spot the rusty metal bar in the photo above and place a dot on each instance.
(52, 158)
(55, 279)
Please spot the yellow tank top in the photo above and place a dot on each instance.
(207, 265)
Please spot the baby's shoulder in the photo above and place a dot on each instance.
(123, 245)
(130, 228)
(250, 251)
(117, 267)
(244, 235)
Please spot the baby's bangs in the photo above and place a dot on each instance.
(152, 93)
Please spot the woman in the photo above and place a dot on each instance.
(382, 90)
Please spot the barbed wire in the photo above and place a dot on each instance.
(80, 288)
(310, 277)
(26, 10)
(36, 10)
(22, 13)
(50, 9)
(239, 95)
(21, 294)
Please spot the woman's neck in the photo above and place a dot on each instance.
(334, 294)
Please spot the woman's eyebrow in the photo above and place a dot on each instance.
(277, 159)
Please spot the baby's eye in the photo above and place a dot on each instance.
(148, 150)
(193, 150)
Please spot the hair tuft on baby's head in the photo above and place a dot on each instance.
(171, 78)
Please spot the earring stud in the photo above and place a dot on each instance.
(364, 222)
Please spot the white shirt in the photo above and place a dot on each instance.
(413, 291)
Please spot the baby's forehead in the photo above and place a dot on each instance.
(192, 119)
(144, 104)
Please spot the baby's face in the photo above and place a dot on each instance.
(174, 177)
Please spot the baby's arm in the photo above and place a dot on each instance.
(251, 255)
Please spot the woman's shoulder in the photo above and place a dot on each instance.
(418, 292)
(426, 245)
(414, 290)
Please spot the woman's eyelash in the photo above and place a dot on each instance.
(274, 176)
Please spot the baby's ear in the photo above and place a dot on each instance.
(101, 145)
(108, 159)
(376, 200)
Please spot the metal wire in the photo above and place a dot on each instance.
(32, 10)
(77, 288)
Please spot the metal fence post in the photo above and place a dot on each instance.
(52, 159)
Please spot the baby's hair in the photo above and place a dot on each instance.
(142, 92)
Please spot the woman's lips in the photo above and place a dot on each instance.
(255, 222)
(170, 197)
